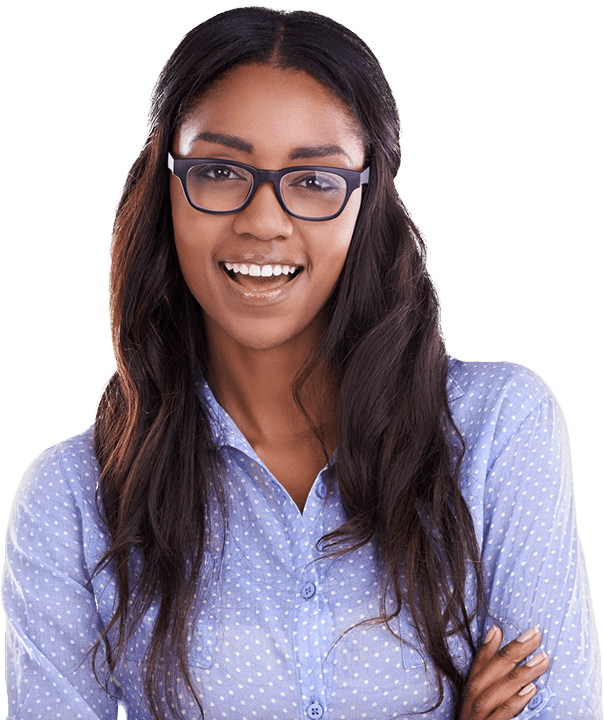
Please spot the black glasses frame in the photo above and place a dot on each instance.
(181, 166)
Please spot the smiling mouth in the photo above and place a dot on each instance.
(260, 278)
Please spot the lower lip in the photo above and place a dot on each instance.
(261, 297)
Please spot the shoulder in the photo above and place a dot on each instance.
(62, 479)
(495, 394)
(516, 384)
(513, 429)
(498, 407)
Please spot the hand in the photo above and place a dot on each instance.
(497, 688)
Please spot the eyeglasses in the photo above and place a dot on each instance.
(307, 192)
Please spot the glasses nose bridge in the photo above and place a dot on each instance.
(271, 176)
(263, 218)
(274, 178)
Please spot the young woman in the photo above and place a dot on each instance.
(293, 503)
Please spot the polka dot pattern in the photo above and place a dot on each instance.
(273, 638)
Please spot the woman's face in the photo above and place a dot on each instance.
(270, 119)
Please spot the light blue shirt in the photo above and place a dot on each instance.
(270, 639)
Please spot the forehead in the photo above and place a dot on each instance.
(271, 109)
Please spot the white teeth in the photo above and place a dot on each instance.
(261, 270)
(238, 268)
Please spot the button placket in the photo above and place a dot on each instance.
(311, 609)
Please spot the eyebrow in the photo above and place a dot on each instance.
(230, 141)
(318, 151)
(236, 143)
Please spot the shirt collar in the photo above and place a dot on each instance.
(225, 432)
(454, 389)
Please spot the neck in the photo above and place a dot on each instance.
(255, 388)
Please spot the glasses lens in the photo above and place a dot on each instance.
(218, 187)
(313, 193)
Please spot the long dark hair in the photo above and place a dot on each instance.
(399, 452)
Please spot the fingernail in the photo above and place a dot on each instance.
(529, 688)
(537, 659)
(528, 634)
(490, 635)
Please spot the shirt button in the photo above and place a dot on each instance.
(535, 702)
(307, 592)
(314, 711)
(321, 490)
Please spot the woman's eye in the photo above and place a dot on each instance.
(318, 182)
(217, 173)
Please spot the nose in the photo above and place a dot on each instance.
(264, 218)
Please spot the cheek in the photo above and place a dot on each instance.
(193, 255)
(194, 235)
(183, 217)
(336, 235)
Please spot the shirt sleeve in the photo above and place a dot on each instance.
(51, 615)
(534, 566)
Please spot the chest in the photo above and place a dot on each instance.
(294, 644)
(282, 632)
(294, 463)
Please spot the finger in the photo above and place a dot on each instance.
(506, 697)
(515, 704)
(504, 660)
(487, 650)
(494, 681)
